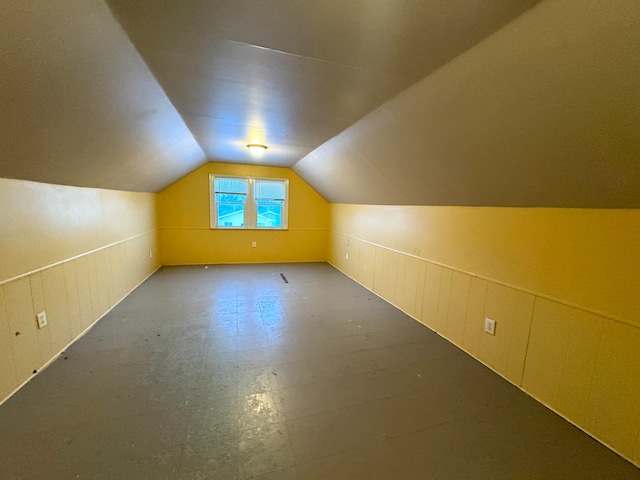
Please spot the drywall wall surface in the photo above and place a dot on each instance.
(586, 257)
(560, 283)
(71, 252)
(187, 239)
(43, 224)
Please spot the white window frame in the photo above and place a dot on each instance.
(251, 209)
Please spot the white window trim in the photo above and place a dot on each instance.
(250, 216)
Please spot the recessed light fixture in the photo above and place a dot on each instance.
(256, 149)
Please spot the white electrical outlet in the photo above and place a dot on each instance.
(150, 253)
(346, 256)
(42, 319)
(490, 326)
(253, 244)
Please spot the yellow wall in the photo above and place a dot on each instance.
(561, 283)
(186, 239)
(73, 252)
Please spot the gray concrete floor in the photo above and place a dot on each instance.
(227, 372)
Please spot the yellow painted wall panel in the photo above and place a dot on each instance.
(431, 295)
(186, 203)
(369, 258)
(391, 276)
(55, 300)
(380, 260)
(8, 378)
(22, 326)
(563, 351)
(73, 298)
(356, 261)
(579, 256)
(501, 304)
(355, 264)
(338, 250)
(420, 289)
(92, 271)
(358, 265)
(460, 284)
(43, 334)
(119, 272)
(410, 285)
(381, 281)
(520, 338)
(183, 217)
(444, 295)
(380, 266)
(197, 247)
(579, 365)
(377, 254)
(52, 240)
(103, 274)
(132, 270)
(116, 281)
(613, 414)
(474, 324)
(350, 264)
(398, 286)
(44, 224)
(87, 291)
(548, 343)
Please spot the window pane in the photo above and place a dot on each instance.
(269, 189)
(230, 215)
(269, 213)
(229, 197)
(230, 185)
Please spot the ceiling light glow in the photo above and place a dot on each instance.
(256, 149)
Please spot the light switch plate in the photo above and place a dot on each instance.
(42, 319)
(490, 326)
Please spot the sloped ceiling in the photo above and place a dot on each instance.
(294, 73)
(432, 102)
(78, 105)
(544, 113)
(134, 94)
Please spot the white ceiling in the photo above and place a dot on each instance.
(78, 105)
(544, 113)
(135, 97)
(294, 73)
(430, 102)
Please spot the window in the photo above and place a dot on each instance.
(251, 203)
(231, 198)
(270, 197)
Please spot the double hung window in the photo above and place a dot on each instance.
(249, 203)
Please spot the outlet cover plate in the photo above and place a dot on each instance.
(42, 319)
(490, 326)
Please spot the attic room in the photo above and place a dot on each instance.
(429, 271)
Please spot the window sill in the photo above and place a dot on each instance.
(252, 229)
